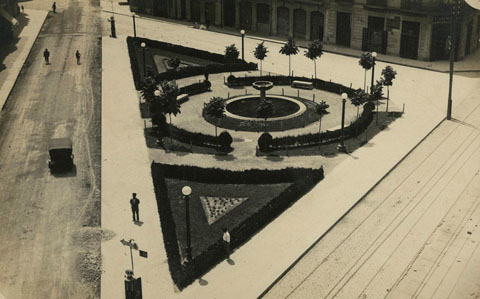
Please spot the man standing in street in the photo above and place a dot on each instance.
(54, 6)
(226, 242)
(134, 202)
(46, 55)
(77, 55)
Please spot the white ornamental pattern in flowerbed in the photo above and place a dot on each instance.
(216, 207)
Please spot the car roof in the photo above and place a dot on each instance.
(60, 143)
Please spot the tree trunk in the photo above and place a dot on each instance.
(315, 68)
(376, 119)
(358, 108)
(319, 132)
(260, 68)
(289, 72)
(388, 98)
(365, 80)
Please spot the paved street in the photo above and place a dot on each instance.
(414, 236)
(50, 234)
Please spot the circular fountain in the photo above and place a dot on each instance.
(263, 86)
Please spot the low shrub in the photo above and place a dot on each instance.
(187, 137)
(191, 71)
(265, 142)
(225, 141)
(134, 63)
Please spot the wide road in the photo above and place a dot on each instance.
(415, 235)
(50, 224)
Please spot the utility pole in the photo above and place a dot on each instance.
(452, 40)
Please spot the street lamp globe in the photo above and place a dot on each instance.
(374, 54)
(344, 96)
(156, 93)
(186, 190)
(242, 32)
(143, 45)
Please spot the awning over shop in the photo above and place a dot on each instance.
(8, 17)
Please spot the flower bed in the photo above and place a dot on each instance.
(301, 181)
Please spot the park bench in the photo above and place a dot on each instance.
(302, 84)
(182, 98)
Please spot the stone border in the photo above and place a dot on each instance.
(300, 111)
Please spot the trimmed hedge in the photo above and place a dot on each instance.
(195, 88)
(233, 81)
(218, 67)
(188, 137)
(191, 71)
(327, 137)
(183, 275)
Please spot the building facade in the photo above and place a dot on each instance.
(8, 10)
(415, 29)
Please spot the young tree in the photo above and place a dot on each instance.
(321, 110)
(215, 108)
(388, 75)
(260, 53)
(168, 99)
(358, 98)
(314, 51)
(148, 87)
(289, 49)
(264, 110)
(376, 94)
(366, 61)
(231, 53)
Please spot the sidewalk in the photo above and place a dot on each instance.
(126, 167)
(471, 63)
(30, 24)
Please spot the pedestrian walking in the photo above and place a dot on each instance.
(77, 55)
(23, 9)
(46, 55)
(134, 202)
(54, 6)
(226, 242)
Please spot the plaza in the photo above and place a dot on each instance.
(306, 220)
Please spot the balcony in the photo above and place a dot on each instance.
(425, 5)
(381, 3)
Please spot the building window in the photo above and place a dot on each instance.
(263, 13)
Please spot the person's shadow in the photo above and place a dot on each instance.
(230, 261)
(202, 281)
(139, 223)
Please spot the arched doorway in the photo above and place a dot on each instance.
(246, 15)
(195, 11)
(283, 21)
(299, 23)
(229, 13)
(316, 22)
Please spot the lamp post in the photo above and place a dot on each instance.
(341, 147)
(374, 54)
(452, 38)
(144, 46)
(186, 191)
(134, 27)
(242, 32)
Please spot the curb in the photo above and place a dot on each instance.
(23, 65)
(346, 212)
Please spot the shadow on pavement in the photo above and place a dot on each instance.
(11, 45)
(68, 174)
(230, 261)
(202, 281)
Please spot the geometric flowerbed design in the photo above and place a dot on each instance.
(216, 207)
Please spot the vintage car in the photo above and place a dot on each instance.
(61, 157)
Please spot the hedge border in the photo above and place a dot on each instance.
(184, 275)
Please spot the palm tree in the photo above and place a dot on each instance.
(358, 98)
(289, 49)
(215, 108)
(174, 62)
(376, 94)
(366, 61)
(260, 53)
(314, 51)
(321, 110)
(264, 110)
(388, 75)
